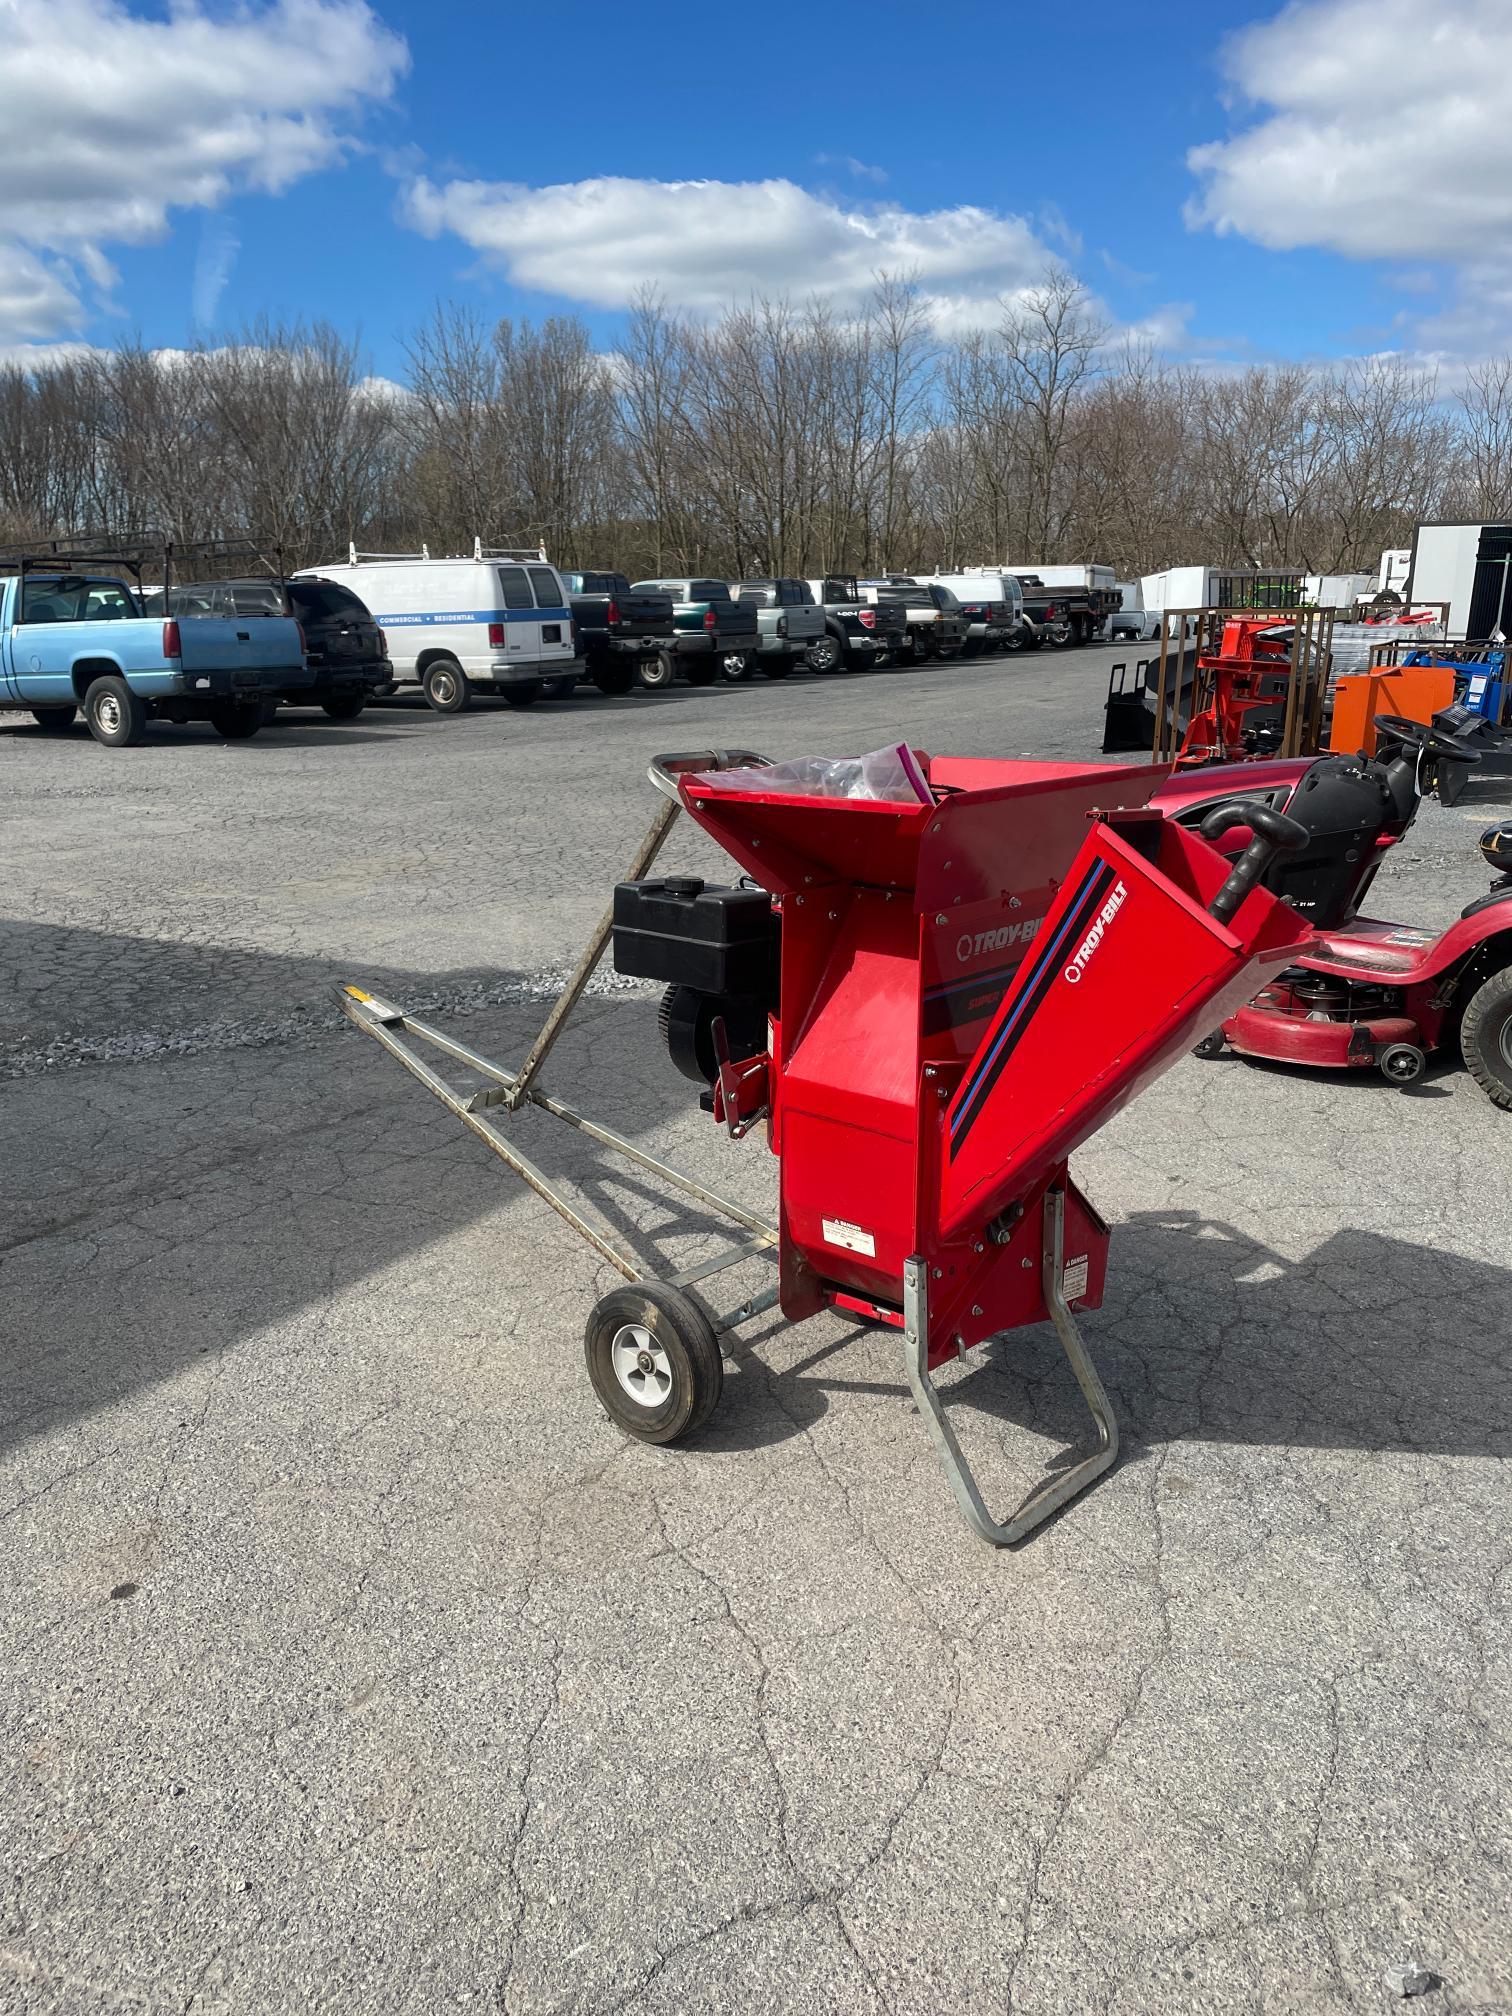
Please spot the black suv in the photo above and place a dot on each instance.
(347, 651)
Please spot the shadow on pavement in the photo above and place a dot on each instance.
(158, 1209)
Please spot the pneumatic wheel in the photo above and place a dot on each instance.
(53, 720)
(114, 714)
(446, 686)
(654, 1361)
(825, 655)
(774, 667)
(235, 720)
(614, 679)
(1486, 1038)
(344, 710)
(525, 694)
(657, 670)
(1212, 1045)
(560, 689)
(701, 671)
(735, 666)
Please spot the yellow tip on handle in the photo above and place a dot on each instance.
(356, 993)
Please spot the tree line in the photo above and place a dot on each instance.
(779, 438)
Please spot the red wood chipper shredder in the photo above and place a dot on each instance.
(929, 1004)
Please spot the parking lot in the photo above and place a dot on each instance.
(353, 1661)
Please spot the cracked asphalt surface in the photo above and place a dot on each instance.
(353, 1662)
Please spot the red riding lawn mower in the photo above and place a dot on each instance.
(1368, 994)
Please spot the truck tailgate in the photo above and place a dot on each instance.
(237, 643)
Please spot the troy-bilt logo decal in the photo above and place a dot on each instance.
(972, 944)
(1036, 975)
(1094, 937)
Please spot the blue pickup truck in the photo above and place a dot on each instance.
(78, 639)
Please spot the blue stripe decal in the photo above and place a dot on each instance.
(1051, 951)
(406, 617)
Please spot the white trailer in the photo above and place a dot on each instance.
(1396, 565)
(1339, 591)
(1180, 588)
(1470, 568)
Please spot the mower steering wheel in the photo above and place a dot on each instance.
(1424, 736)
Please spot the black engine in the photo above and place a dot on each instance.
(718, 949)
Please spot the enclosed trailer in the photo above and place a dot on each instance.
(1469, 567)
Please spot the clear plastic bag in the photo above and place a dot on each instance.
(891, 776)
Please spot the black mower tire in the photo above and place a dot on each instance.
(1486, 1038)
(53, 720)
(113, 714)
(447, 687)
(674, 1340)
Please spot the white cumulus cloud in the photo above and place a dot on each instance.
(1375, 129)
(111, 118)
(704, 243)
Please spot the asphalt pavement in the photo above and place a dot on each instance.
(350, 1660)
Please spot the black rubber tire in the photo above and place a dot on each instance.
(922, 652)
(344, 710)
(446, 686)
(659, 679)
(1032, 640)
(559, 689)
(735, 667)
(1486, 1038)
(773, 665)
(677, 1327)
(53, 720)
(1212, 1045)
(125, 713)
(825, 655)
(235, 720)
(525, 694)
(946, 651)
(614, 680)
(701, 671)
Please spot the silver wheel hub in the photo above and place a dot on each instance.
(108, 712)
(1506, 1041)
(641, 1366)
(441, 685)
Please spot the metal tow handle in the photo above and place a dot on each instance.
(1274, 834)
(665, 770)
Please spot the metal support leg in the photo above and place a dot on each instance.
(1055, 1491)
(661, 825)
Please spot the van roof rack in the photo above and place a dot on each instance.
(482, 552)
(356, 559)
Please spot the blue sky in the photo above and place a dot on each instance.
(327, 158)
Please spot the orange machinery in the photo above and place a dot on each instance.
(1412, 692)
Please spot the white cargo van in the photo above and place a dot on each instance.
(498, 622)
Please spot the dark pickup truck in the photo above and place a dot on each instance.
(1057, 615)
(714, 635)
(862, 633)
(347, 652)
(623, 633)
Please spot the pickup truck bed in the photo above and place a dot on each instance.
(713, 635)
(621, 631)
